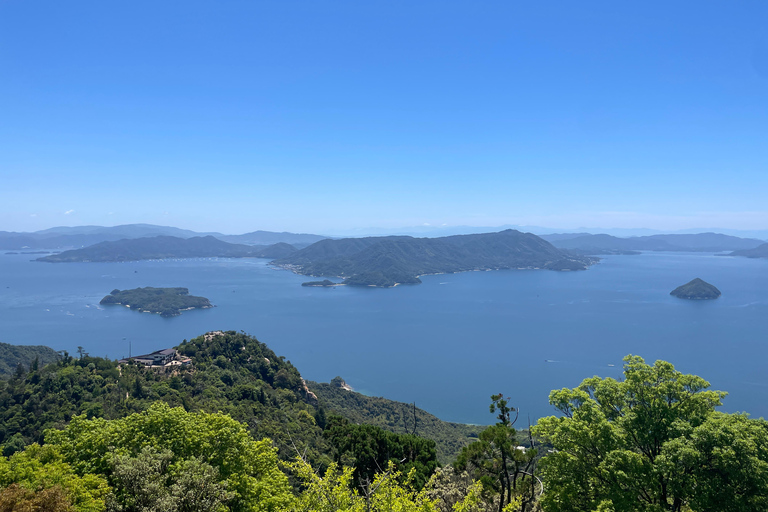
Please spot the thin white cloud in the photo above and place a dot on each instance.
(68, 212)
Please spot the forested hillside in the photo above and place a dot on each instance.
(11, 356)
(239, 430)
(397, 417)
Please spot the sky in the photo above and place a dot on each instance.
(332, 116)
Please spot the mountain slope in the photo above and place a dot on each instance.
(230, 372)
(396, 417)
(13, 355)
(387, 261)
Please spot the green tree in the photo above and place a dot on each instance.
(148, 482)
(248, 468)
(39, 475)
(368, 449)
(497, 461)
(388, 491)
(651, 442)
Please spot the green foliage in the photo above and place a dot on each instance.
(368, 449)
(40, 468)
(497, 460)
(388, 491)
(397, 417)
(246, 467)
(231, 372)
(11, 356)
(149, 482)
(165, 301)
(651, 442)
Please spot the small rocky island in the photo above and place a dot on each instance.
(324, 282)
(163, 301)
(697, 289)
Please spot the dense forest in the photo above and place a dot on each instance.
(238, 429)
(13, 357)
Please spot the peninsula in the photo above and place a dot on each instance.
(392, 260)
(163, 301)
(163, 247)
(697, 289)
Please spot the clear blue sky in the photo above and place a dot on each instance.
(325, 116)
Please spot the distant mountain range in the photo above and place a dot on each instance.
(83, 236)
(387, 261)
(583, 243)
(161, 247)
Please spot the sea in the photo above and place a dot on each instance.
(446, 344)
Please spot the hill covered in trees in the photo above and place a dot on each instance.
(396, 417)
(388, 261)
(230, 372)
(163, 301)
(149, 441)
(161, 247)
(696, 289)
(11, 356)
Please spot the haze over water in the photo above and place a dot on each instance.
(447, 344)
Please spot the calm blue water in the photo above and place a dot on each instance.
(447, 344)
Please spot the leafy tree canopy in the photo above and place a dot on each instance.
(651, 442)
(248, 468)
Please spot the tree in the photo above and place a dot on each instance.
(388, 491)
(249, 468)
(15, 498)
(148, 482)
(39, 477)
(497, 461)
(651, 442)
(368, 449)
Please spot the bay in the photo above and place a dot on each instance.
(447, 344)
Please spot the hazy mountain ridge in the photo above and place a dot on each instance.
(387, 261)
(606, 244)
(65, 237)
(269, 238)
(161, 247)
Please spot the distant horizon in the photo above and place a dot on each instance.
(350, 116)
(444, 230)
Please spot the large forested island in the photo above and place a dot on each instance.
(697, 289)
(391, 260)
(162, 247)
(163, 301)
